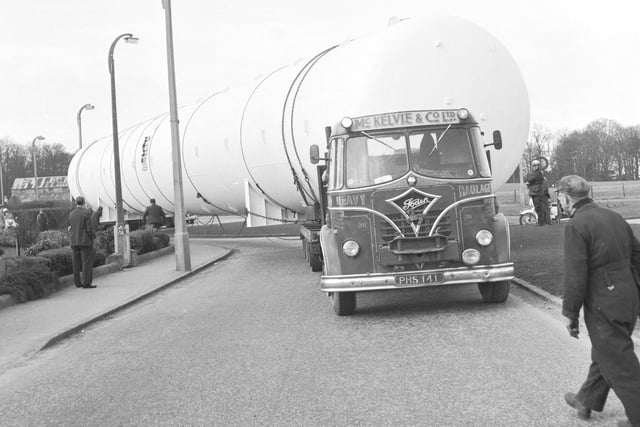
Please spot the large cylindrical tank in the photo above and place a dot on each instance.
(261, 133)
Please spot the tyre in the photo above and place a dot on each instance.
(496, 291)
(528, 218)
(315, 261)
(344, 303)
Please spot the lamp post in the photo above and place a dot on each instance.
(35, 165)
(84, 107)
(180, 237)
(120, 239)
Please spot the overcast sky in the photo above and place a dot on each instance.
(580, 59)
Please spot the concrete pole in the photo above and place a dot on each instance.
(181, 237)
(35, 164)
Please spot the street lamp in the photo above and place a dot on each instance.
(120, 239)
(35, 165)
(84, 107)
(180, 237)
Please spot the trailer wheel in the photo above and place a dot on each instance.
(344, 303)
(305, 249)
(315, 261)
(528, 218)
(495, 292)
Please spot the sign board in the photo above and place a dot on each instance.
(404, 119)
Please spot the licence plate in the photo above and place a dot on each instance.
(419, 279)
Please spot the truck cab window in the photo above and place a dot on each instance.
(375, 159)
(335, 164)
(442, 153)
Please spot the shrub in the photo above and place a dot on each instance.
(104, 241)
(160, 240)
(28, 278)
(41, 245)
(7, 238)
(61, 259)
(141, 241)
(61, 237)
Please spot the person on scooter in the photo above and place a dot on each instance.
(535, 181)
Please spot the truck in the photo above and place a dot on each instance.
(407, 201)
(403, 196)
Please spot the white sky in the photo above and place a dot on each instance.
(580, 59)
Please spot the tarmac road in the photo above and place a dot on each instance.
(252, 341)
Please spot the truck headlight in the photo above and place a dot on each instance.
(484, 237)
(463, 114)
(351, 248)
(471, 256)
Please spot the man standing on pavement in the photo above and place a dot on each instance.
(154, 215)
(82, 235)
(602, 260)
(535, 181)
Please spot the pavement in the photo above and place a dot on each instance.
(28, 328)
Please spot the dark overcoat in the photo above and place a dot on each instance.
(154, 214)
(81, 227)
(602, 258)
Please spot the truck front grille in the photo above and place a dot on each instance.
(387, 232)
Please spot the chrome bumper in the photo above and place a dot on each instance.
(382, 281)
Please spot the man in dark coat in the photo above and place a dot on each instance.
(535, 181)
(82, 235)
(602, 260)
(42, 220)
(154, 215)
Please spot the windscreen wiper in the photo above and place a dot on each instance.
(376, 139)
(435, 144)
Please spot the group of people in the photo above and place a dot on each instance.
(83, 224)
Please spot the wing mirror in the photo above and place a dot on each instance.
(497, 140)
(314, 152)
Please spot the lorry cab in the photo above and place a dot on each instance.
(410, 203)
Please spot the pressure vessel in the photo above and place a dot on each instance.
(256, 138)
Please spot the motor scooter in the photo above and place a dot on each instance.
(528, 216)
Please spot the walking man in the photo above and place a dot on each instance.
(82, 235)
(154, 215)
(601, 261)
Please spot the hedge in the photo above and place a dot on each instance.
(28, 278)
(61, 263)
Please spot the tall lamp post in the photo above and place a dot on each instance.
(181, 237)
(84, 107)
(35, 165)
(120, 238)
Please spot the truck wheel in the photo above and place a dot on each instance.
(344, 303)
(528, 218)
(495, 292)
(315, 262)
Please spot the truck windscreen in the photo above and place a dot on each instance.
(447, 153)
(374, 160)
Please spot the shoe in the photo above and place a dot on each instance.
(89, 286)
(79, 286)
(572, 400)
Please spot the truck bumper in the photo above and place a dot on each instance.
(382, 281)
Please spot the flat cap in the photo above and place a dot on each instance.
(573, 185)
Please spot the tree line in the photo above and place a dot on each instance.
(603, 151)
(16, 161)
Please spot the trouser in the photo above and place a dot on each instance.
(82, 261)
(538, 201)
(614, 365)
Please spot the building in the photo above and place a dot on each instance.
(50, 188)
